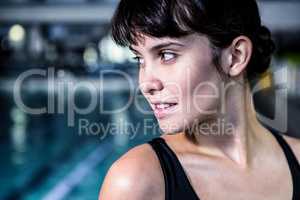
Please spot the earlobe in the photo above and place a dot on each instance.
(234, 71)
(241, 50)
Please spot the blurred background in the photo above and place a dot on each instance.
(61, 78)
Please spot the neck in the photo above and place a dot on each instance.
(233, 134)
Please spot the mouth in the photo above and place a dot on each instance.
(161, 110)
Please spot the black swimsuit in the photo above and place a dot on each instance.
(178, 186)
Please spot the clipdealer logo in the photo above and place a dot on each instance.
(61, 94)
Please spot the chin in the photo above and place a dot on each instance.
(171, 131)
(168, 126)
(179, 125)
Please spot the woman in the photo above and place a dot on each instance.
(197, 59)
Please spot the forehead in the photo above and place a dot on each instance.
(145, 42)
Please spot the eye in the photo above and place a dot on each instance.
(139, 60)
(167, 56)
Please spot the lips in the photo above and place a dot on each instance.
(162, 109)
(164, 105)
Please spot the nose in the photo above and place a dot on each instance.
(149, 84)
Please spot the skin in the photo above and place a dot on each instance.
(243, 163)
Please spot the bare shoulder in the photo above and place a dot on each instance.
(136, 175)
(294, 144)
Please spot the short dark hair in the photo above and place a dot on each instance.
(220, 20)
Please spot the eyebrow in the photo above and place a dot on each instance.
(164, 45)
(160, 46)
(132, 49)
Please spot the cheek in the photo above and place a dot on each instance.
(201, 79)
(200, 90)
(142, 81)
(140, 76)
(198, 69)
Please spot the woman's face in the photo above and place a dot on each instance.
(178, 79)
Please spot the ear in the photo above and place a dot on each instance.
(238, 55)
